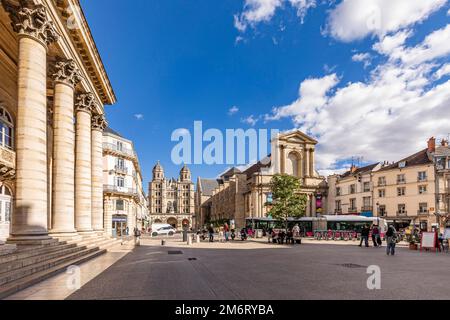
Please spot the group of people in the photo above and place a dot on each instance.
(225, 233)
(391, 238)
(282, 236)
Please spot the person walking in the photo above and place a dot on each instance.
(391, 240)
(375, 236)
(226, 230)
(365, 236)
(211, 233)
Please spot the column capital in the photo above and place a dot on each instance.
(32, 21)
(67, 72)
(85, 103)
(99, 122)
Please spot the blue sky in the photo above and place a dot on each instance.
(376, 93)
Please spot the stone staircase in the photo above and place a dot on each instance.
(29, 265)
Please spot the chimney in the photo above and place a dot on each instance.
(444, 143)
(432, 145)
(353, 168)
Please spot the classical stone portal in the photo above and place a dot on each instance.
(51, 151)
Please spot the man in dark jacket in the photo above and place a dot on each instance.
(365, 236)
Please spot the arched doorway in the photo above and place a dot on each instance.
(5, 211)
(173, 222)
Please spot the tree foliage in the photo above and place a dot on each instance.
(287, 200)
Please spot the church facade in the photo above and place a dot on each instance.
(171, 200)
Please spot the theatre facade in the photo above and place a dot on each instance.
(53, 88)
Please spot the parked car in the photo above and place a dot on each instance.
(163, 230)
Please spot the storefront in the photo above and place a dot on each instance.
(120, 226)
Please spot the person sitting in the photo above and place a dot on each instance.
(281, 237)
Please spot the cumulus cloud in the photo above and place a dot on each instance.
(233, 110)
(139, 116)
(365, 58)
(386, 117)
(257, 11)
(355, 19)
(251, 120)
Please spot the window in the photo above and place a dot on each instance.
(401, 192)
(352, 204)
(381, 181)
(422, 176)
(119, 145)
(338, 206)
(352, 189)
(423, 208)
(120, 163)
(6, 129)
(338, 191)
(423, 189)
(440, 163)
(367, 203)
(120, 182)
(382, 193)
(366, 186)
(401, 209)
(401, 179)
(382, 211)
(120, 205)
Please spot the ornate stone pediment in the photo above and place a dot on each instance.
(67, 72)
(31, 20)
(297, 137)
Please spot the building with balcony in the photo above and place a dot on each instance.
(441, 158)
(172, 201)
(351, 193)
(124, 197)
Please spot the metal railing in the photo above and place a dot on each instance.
(113, 147)
(121, 170)
(121, 190)
(366, 209)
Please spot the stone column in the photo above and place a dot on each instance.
(36, 32)
(283, 159)
(98, 125)
(83, 172)
(306, 160)
(108, 205)
(66, 77)
(311, 163)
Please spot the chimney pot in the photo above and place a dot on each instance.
(432, 145)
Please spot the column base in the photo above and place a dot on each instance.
(64, 236)
(31, 240)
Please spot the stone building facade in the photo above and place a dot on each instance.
(53, 88)
(124, 197)
(172, 201)
(242, 195)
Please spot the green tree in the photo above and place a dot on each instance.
(288, 202)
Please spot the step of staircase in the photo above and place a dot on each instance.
(27, 252)
(35, 278)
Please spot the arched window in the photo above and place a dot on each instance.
(6, 129)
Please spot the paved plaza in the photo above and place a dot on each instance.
(254, 270)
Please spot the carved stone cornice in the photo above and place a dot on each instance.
(67, 72)
(85, 103)
(32, 21)
(99, 122)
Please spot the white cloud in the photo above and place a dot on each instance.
(139, 116)
(448, 12)
(388, 116)
(233, 110)
(356, 19)
(257, 11)
(365, 58)
(443, 71)
(251, 120)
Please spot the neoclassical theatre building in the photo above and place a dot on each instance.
(171, 201)
(53, 88)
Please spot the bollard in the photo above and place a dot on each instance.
(163, 242)
(198, 238)
(189, 241)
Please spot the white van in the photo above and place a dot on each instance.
(163, 229)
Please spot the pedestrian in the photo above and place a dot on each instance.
(376, 236)
(221, 234)
(296, 231)
(211, 233)
(391, 240)
(365, 236)
(226, 231)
